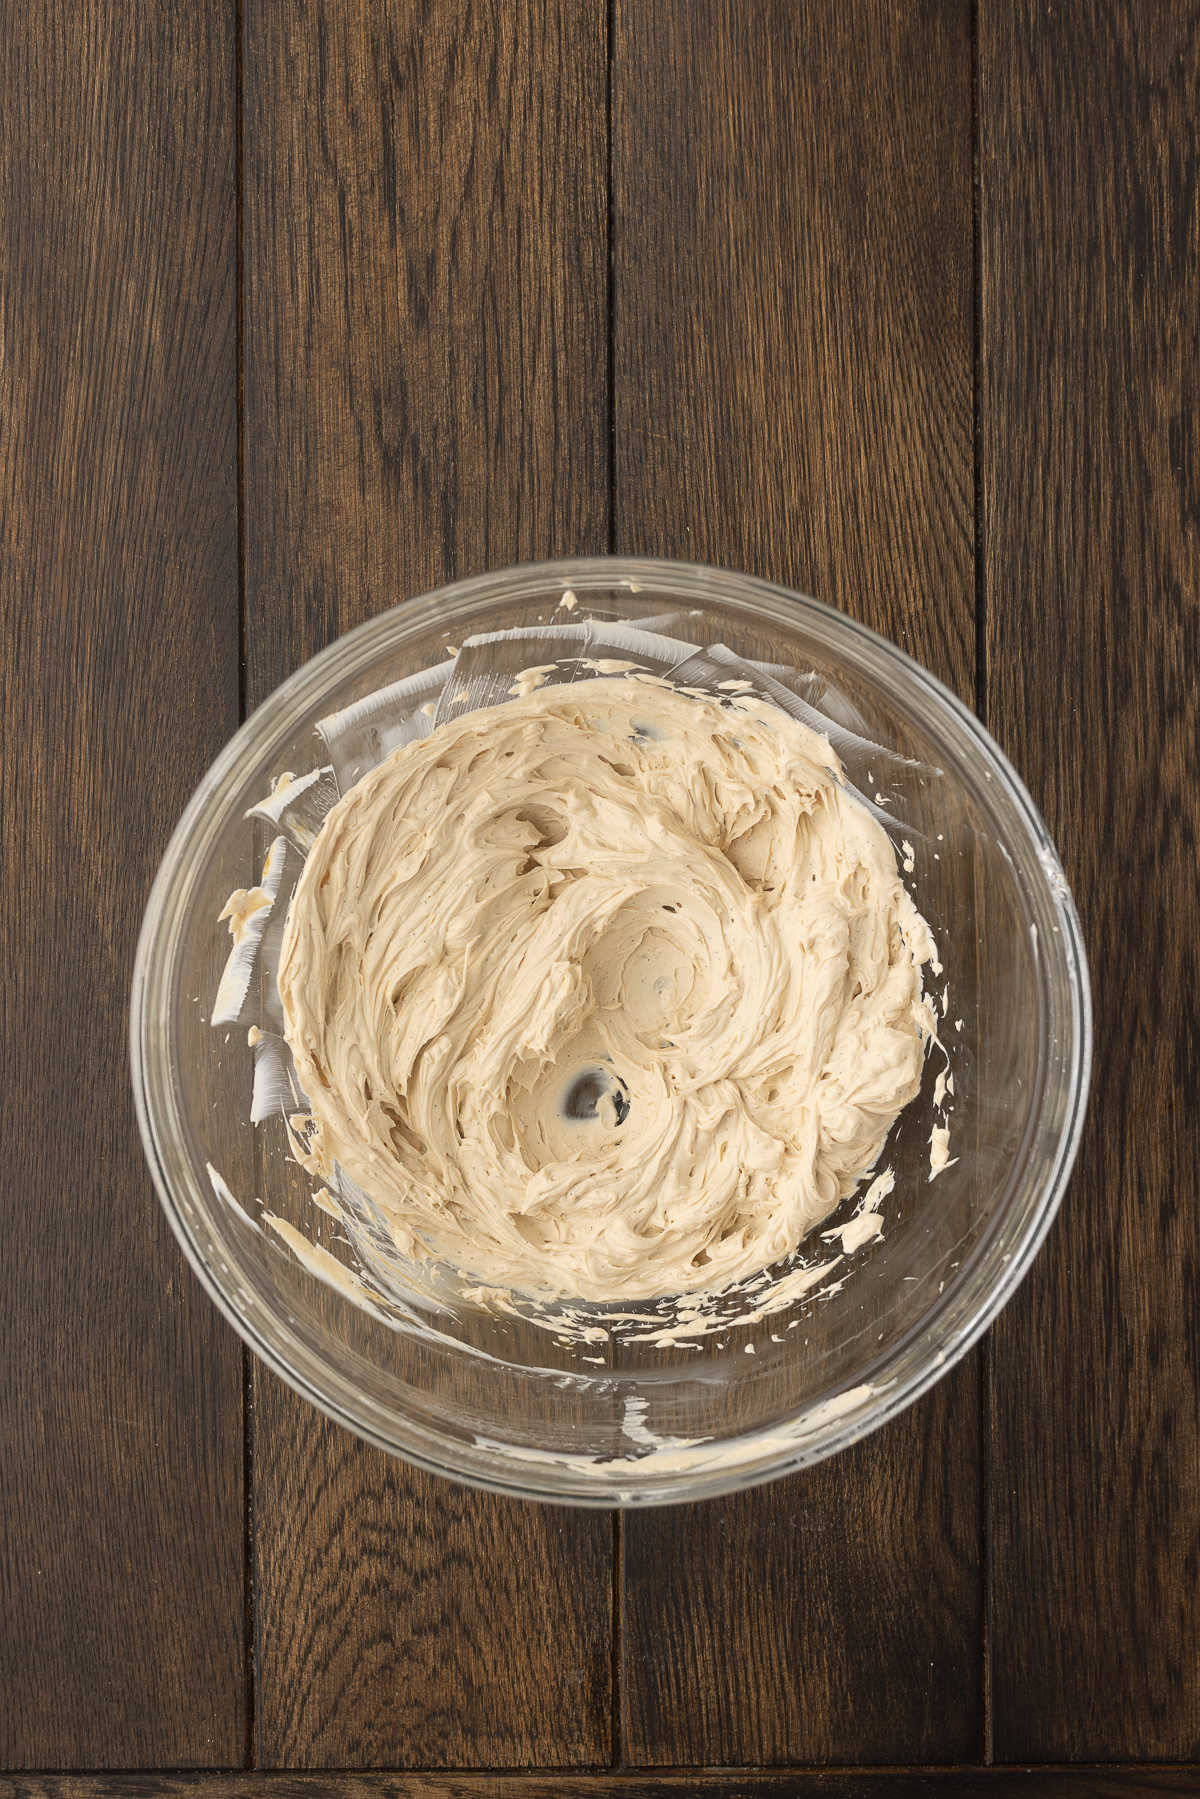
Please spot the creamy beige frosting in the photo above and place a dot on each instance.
(609, 991)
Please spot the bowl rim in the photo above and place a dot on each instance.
(507, 1469)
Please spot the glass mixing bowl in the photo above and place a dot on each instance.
(495, 1397)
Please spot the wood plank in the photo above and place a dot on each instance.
(121, 1578)
(425, 243)
(1091, 483)
(793, 395)
(892, 1783)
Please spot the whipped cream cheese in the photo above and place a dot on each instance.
(611, 991)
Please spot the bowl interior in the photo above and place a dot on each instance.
(495, 1396)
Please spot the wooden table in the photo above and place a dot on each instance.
(307, 305)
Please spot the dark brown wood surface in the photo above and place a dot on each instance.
(888, 1783)
(121, 1616)
(1090, 356)
(792, 365)
(896, 302)
(425, 232)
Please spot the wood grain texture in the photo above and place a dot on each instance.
(121, 1599)
(426, 326)
(793, 396)
(1091, 481)
(891, 1783)
(425, 354)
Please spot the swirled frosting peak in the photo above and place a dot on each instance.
(610, 991)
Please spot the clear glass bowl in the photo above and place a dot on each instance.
(497, 1400)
